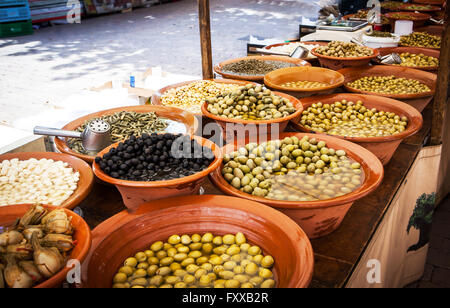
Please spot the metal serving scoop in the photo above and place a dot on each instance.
(95, 137)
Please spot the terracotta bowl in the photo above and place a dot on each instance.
(414, 50)
(393, 6)
(218, 68)
(309, 58)
(383, 147)
(316, 218)
(82, 234)
(156, 98)
(432, 8)
(436, 30)
(125, 234)
(135, 193)
(434, 2)
(235, 128)
(419, 19)
(277, 78)
(86, 176)
(354, 73)
(170, 113)
(336, 63)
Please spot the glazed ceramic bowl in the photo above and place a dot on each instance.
(383, 147)
(419, 19)
(413, 50)
(84, 185)
(336, 63)
(135, 193)
(124, 234)
(316, 218)
(156, 98)
(82, 236)
(219, 68)
(276, 79)
(235, 128)
(180, 116)
(354, 73)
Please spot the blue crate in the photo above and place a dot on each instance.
(12, 2)
(15, 13)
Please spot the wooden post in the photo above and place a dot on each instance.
(441, 96)
(205, 38)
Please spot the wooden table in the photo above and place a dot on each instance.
(337, 254)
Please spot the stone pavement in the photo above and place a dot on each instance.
(60, 60)
(437, 270)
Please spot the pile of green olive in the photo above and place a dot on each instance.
(251, 102)
(389, 85)
(418, 60)
(421, 39)
(349, 119)
(292, 169)
(344, 50)
(198, 261)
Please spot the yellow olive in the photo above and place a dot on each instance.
(127, 270)
(143, 265)
(269, 283)
(200, 272)
(192, 268)
(166, 261)
(157, 246)
(166, 286)
(229, 265)
(172, 279)
(232, 284)
(251, 269)
(186, 239)
(207, 248)
(240, 238)
(141, 257)
(196, 238)
(228, 239)
(195, 246)
(180, 285)
(131, 262)
(151, 270)
(163, 271)
(217, 241)
(207, 266)
(189, 279)
(207, 238)
(265, 273)
(174, 239)
(226, 275)
(188, 261)
(120, 278)
(204, 281)
(149, 253)
(156, 280)
(267, 261)
(175, 266)
(247, 285)
(180, 257)
(254, 250)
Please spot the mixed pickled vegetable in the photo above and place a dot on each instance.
(198, 261)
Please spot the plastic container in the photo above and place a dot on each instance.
(316, 218)
(383, 147)
(403, 27)
(85, 183)
(380, 42)
(125, 234)
(187, 119)
(82, 235)
(16, 28)
(15, 13)
(135, 193)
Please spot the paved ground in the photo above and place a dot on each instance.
(437, 270)
(60, 60)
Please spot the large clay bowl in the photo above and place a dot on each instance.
(382, 147)
(436, 30)
(219, 68)
(419, 19)
(336, 63)
(84, 185)
(354, 73)
(125, 234)
(414, 50)
(235, 128)
(316, 218)
(170, 113)
(429, 9)
(433, 2)
(134, 193)
(276, 79)
(156, 98)
(82, 236)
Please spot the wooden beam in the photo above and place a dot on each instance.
(205, 38)
(440, 99)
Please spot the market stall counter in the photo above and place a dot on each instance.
(339, 255)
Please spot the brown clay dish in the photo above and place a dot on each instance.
(156, 98)
(134, 193)
(414, 50)
(336, 63)
(276, 79)
(434, 2)
(436, 30)
(316, 218)
(82, 235)
(170, 113)
(419, 19)
(84, 185)
(382, 147)
(218, 68)
(261, 127)
(431, 8)
(125, 234)
(354, 73)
